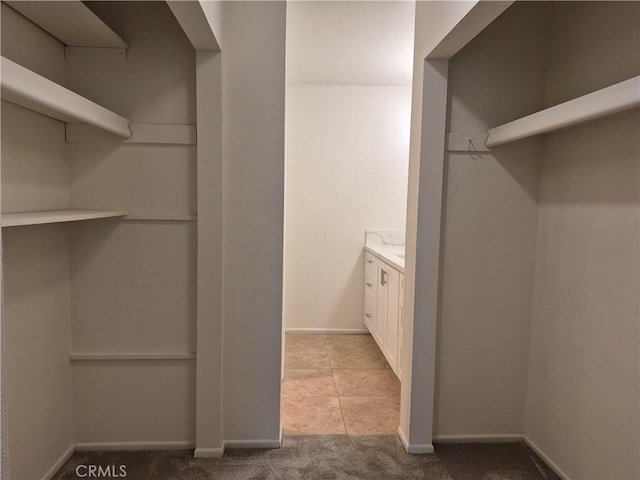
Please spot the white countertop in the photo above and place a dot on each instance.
(391, 254)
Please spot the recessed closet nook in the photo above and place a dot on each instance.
(98, 217)
(538, 297)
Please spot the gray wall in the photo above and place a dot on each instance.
(582, 401)
(134, 281)
(540, 272)
(37, 287)
(489, 232)
(253, 85)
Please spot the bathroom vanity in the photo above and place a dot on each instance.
(384, 294)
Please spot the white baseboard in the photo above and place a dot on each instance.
(420, 449)
(327, 331)
(208, 452)
(403, 438)
(111, 446)
(414, 449)
(546, 459)
(482, 438)
(252, 443)
(66, 455)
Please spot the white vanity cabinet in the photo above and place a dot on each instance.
(400, 324)
(382, 306)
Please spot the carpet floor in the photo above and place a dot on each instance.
(335, 457)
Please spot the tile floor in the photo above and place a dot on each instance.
(338, 384)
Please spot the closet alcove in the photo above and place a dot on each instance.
(539, 281)
(99, 240)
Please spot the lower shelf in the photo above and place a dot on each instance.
(55, 216)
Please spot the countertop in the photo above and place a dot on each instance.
(391, 254)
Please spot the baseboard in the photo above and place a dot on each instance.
(550, 463)
(327, 331)
(482, 438)
(252, 444)
(414, 449)
(420, 449)
(208, 452)
(66, 455)
(403, 439)
(111, 446)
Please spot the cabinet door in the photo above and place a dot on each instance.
(400, 325)
(391, 337)
(383, 305)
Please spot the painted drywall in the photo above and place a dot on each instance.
(347, 158)
(156, 82)
(253, 89)
(134, 282)
(37, 298)
(37, 308)
(582, 401)
(37, 50)
(248, 216)
(350, 42)
(489, 232)
(347, 151)
(148, 404)
(36, 286)
(424, 202)
(4, 434)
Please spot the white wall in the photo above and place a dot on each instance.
(347, 155)
(350, 42)
(37, 289)
(583, 390)
(348, 101)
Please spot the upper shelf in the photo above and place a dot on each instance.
(71, 22)
(55, 216)
(616, 98)
(30, 90)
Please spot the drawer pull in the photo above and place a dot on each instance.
(368, 315)
(369, 284)
(369, 261)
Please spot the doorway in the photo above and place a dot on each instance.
(348, 103)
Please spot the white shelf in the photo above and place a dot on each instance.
(35, 92)
(71, 22)
(615, 98)
(160, 218)
(93, 357)
(55, 216)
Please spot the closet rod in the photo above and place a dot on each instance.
(615, 98)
